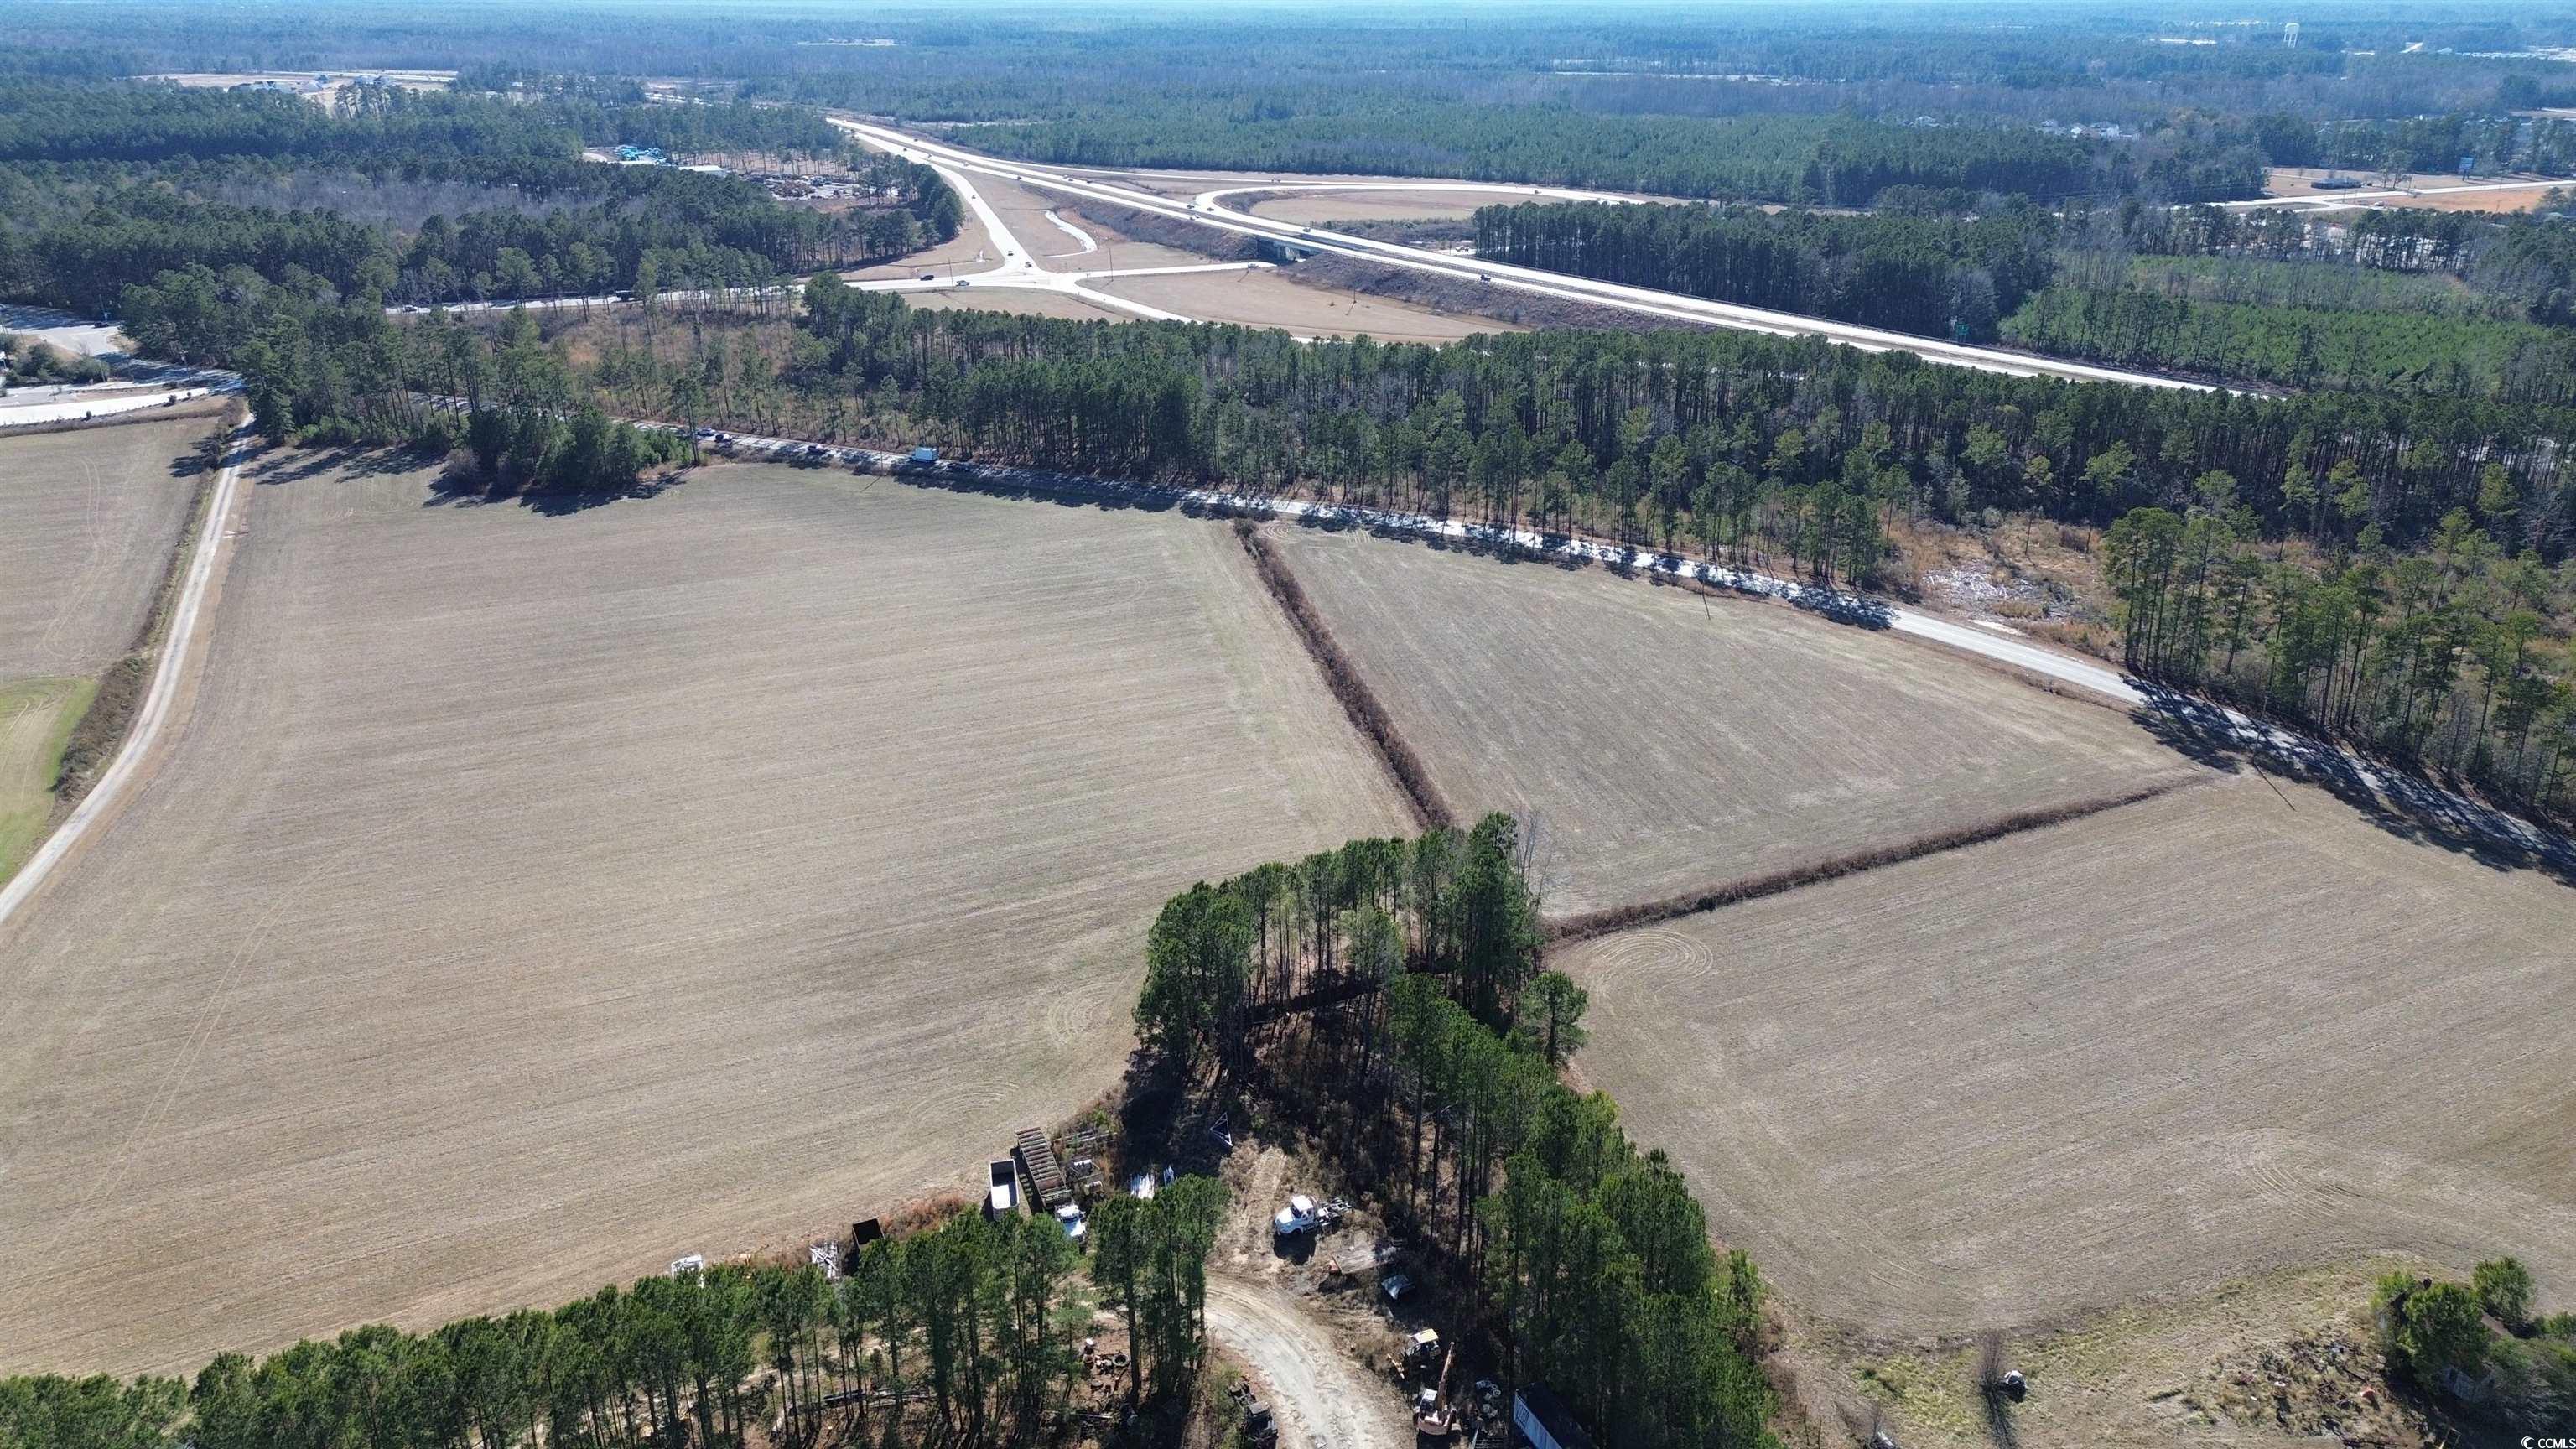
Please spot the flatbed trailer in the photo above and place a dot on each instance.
(1046, 1175)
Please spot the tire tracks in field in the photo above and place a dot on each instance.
(202, 1030)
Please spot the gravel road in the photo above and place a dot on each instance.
(1319, 1395)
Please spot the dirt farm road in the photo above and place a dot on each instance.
(168, 669)
(1320, 1397)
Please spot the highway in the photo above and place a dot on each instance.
(1209, 209)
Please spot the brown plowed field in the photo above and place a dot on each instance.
(2169, 1045)
(87, 522)
(1668, 742)
(529, 900)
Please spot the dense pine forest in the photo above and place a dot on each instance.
(1437, 1076)
(416, 197)
(1935, 276)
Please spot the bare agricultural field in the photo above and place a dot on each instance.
(87, 522)
(2233, 1029)
(532, 899)
(1267, 299)
(1668, 742)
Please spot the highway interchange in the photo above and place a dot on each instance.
(1210, 209)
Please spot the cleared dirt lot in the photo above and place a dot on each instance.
(1429, 204)
(1027, 302)
(2170, 1045)
(1668, 741)
(87, 522)
(1268, 299)
(2445, 195)
(531, 899)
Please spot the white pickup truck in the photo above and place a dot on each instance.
(1305, 1215)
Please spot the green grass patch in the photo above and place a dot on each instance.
(37, 717)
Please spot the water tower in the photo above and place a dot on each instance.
(2290, 35)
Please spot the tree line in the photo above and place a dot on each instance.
(967, 1333)
(1934, 276)
(1436, 1066)
(1788, 456)
(553, 225)
(2451, 657)
(2303, 347)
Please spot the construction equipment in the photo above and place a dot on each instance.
(1432, 1416)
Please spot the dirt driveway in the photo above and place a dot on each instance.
(1319, 1395)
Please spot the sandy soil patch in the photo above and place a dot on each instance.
(87, 522)
(972, 250)
(310, 84)
(1267, 299)
(1668, 741)
(2194, 1039)
(1316, 208)
(2302, 181)
(1021, 300)
(531, 899)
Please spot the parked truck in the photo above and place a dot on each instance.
(1002, 1198)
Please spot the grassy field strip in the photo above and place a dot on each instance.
(171, 664)
(36, 721)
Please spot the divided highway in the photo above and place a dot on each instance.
(1209, 209)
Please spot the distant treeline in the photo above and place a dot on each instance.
(1585, 1256)
(549, 223)
(2302, 346)
(2485, 141)
(1838, 161)
(42, 121)
(1929, 275)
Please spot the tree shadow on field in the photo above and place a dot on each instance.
(2388, 796)
(273, 465)
(1041, 485)
(460, 485)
